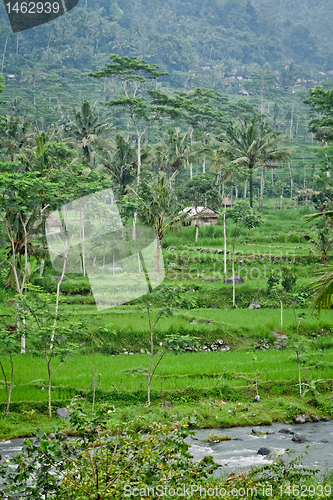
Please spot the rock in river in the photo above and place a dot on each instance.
(299, 438)
(300, 419)
(263, 451)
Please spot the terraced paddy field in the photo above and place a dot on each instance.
(259, 354)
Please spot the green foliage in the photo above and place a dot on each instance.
(86, 128)
(324, 240)
(202, 191)
(135, 460)
(284, 276)
(254, 144)
(241, 213)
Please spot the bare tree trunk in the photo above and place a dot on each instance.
(83, 247)
(158, 253)
(262, 186)
(196, 232)
(50, 380)
(94, 378)
(10, 387)
(4, 55)
(251, 186)
(41, 271)
(151, 358)
(245, 189)
(225, 238)
(291, 182)
(297, 128)
(137, 182)
(67, 245)
(23, 332)
(233, 270)
(291, 119)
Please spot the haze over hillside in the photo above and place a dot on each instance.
(178, 34)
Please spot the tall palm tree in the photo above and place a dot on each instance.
(158, 209)
(177, 149)
(323, 286)
(86, 127)
(13, 135)
(120, 163)
(254, 144)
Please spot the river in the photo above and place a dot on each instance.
(241, 452)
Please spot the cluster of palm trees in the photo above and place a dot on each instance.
(90, 140)
(234, 154)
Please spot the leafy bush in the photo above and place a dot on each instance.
(100, 466)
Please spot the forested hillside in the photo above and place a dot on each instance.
(179, 36)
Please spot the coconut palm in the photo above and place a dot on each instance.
(177, 149)
(252, 145)
(13, 135)
(86, 128)
(121, 163)
(158, 209)
(323, 286)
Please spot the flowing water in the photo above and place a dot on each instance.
(241, 453)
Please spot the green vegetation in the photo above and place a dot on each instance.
(166, 238)
(108, 460)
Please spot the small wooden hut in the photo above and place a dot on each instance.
(202, 216)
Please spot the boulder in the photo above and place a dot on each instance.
(211, 279)
(57, 278)
(238, 280)
(254, 305)
(218, 345)
(285, 431)
(263, 451)
(256, 430)
(168, 404)
(52, 436)
(61, 436)
(299, 438)
(324, 419)
(300, 419)
(63, 413)
(314, 418)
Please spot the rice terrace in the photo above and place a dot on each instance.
(166, 251)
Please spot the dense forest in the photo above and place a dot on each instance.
(214, 44)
